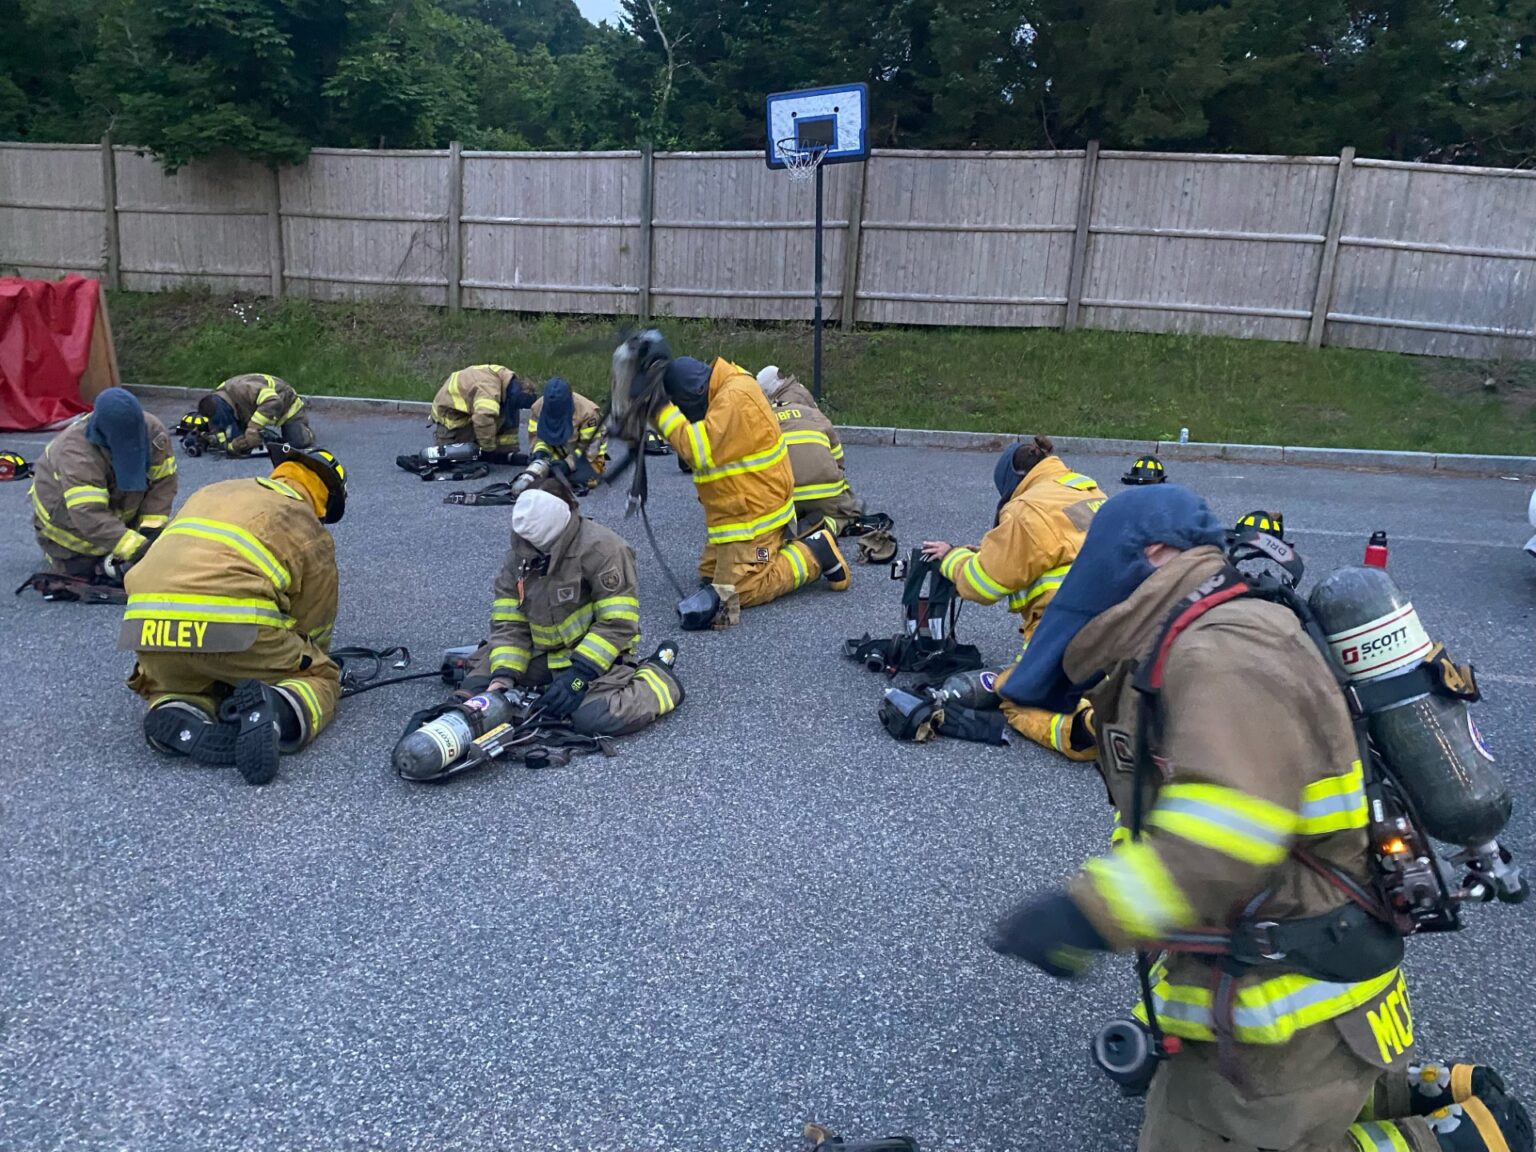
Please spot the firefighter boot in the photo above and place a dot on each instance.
(1056, 730)
(834, 569)
(261, 715)
(180, 728)
(969, 724)
(1494, 1123)
(1437, 1086)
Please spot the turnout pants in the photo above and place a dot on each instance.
(442, 435)
(1311, 1095)
(1051, 730)
(836, 513)
(760, 570)
(626, 698)
(298, 432)
(279, 657)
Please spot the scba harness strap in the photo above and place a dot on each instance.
(927, 644)
(57, 587)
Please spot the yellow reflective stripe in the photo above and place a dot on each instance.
(455, 395)
(1048, 582)
(260, 420)
(1225, 820)
(234, 537)
(566, 632)
(820, 491)
(1120, 834)
(757, 462)
(58, 535)
(740, 530)
(1139, 891)
(559, 658)
(1334, 804)
(507, 656)
(166, 467)
(321, 637)
(508, 610)
(702, 461)
(307, 694)
(486, 404)
(837, 451)
(665, 701)
(1378, 1136)
(616, 608)
(83, 494)
(215, 609)
(150, 523)
(1266, 1012)
(583, 435)
(533, 427)
(963, 564)
(293, 409)
(807, 436)
(669, 419)
(279, 486)
(1058, 722)
(798, 556)
(597, 650)
(127, 544)
(1077, 480)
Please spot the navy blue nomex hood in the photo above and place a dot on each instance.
(1109, 567)
(117, 425)
(554, 426)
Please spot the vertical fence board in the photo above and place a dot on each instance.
(51, 207)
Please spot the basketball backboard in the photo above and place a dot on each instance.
(836, 119)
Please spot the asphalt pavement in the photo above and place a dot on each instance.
(762, 911)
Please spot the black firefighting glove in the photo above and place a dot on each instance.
(564, 696)
(1050, 932)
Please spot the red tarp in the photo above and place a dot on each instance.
(45, 346)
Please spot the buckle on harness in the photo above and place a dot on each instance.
(1254, 942)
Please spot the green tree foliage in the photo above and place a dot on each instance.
(1446, 80)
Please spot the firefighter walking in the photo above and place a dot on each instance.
(230, 614)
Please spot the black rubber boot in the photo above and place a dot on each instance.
(969, 724)
(178, 728)
(1493, 1123)
(665, 655)
(254, 708)
(1437, 1086)
(834, 569)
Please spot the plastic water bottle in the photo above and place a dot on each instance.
(1183, 435)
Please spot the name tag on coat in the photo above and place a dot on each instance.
(185, 636)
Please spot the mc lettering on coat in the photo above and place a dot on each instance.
(1392, 1023)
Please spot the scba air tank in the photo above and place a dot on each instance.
(438, 744)
(1428, 738)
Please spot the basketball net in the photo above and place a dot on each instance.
(800, 160)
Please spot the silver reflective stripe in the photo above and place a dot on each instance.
(1132, 891)
(1378, 1134)
(143, 605)
(1224, 817)
(1178, 1010)
(1342, 805)
(1266, 1015)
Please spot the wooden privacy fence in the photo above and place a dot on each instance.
(1414, 258)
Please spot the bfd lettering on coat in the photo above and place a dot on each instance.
(173, 633)
(788, 414)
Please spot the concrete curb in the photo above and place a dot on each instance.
(1359, 458)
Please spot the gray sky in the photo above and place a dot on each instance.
(596, 10)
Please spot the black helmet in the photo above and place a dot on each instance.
(13, 467)
(1146, 470)
(323, 465)
(1271, 523)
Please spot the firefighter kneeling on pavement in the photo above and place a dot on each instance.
(567, 429)
(480, 405)
(246, 412)
(103, 489)
(1250, 870)
(231, 611)
(566, 617)
(720, 424)
(1043, 512)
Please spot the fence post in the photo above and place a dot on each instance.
(647, 219)
(1077, 269)
(110, 241)
(1329, 264)
(275, 235)
(455, 254)
(851, 243)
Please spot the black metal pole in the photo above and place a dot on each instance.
(816, 371)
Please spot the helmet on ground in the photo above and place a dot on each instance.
(1146, 470)
(193, 424)
(1272, 523)
(13, 467)
(324, 465)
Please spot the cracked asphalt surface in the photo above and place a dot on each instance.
(762, 911)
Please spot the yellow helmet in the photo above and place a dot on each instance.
(324, 465)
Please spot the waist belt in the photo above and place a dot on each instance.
(1344, 946)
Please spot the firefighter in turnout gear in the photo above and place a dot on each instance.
(249, 411)
(103, 488)
(822, 491)
(720, 424)
(1043, 512)
(480, 405)
(231, 613)
(1241, 855)
(567, 428)
(566, 617)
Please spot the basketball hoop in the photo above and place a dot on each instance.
(801, 159)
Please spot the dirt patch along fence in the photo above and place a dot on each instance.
(1418, 258)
